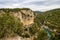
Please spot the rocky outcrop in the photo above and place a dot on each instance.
(25, 15)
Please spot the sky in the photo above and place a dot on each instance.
(36, 5)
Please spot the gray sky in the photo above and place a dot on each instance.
(36, 5)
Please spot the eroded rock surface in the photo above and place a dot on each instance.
(26, 16)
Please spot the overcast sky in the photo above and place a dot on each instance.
(36, 5)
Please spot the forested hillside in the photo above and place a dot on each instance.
(52, 20)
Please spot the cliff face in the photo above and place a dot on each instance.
(25, 15)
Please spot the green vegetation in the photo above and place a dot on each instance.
(52, 20)
(11, 26)
(7, 10)
(42, 36)
(33, 29)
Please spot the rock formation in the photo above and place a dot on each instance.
(25, 15)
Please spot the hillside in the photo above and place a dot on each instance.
(25, 24)
(51, 19)
(13, 22)
(24, 14)
(52, 16)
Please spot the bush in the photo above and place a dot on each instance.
(41, 36)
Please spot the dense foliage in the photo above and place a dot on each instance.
(9, 26)
(52, 20)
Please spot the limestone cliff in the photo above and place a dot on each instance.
(25, 15)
